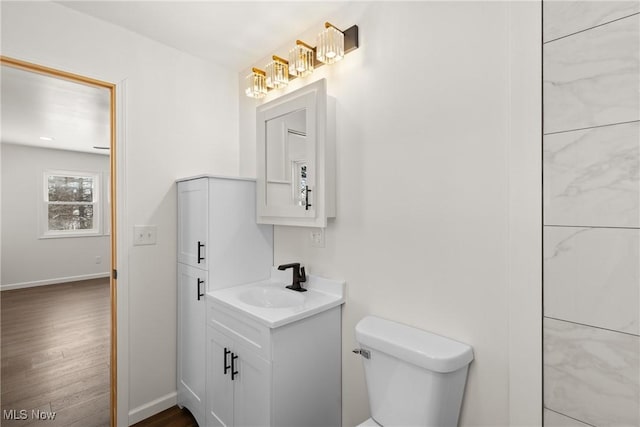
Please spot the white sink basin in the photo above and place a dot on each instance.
(269, 297)
(272, 304)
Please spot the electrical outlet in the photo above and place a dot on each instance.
(317, 237)
(98, 260)
(144, 235)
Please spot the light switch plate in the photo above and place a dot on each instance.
(145, 235)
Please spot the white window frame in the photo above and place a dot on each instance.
(97, 205)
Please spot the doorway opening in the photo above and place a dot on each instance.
(75, 204)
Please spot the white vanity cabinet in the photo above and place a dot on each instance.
(295, 165)
(219, 246)
(284, 376)
(238, 383)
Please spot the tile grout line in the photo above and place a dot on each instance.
(565, 415)
(592, 326)
(593, 226)
(591, 28)
(592, 127)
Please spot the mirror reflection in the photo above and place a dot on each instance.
(287, 157)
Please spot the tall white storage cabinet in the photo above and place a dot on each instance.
(219, 245)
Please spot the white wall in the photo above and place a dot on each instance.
(26, 258)
(438, 181)
(181, 119)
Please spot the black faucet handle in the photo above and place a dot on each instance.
(299, 276)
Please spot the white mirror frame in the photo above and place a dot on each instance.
(313, 99)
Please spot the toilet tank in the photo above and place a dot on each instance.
(414, 377)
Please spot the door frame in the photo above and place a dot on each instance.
(111, 87)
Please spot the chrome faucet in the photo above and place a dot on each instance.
(299, 276)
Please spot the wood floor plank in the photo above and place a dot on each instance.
(55, 349)
(89, 388)
(41, 374)
(69, 384)
(172, 417)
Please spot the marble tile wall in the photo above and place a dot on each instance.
(591, 187)
(563, 18)
(591, 177)
(591, 374)
(591, 77)
(591, 276)
(553, 419)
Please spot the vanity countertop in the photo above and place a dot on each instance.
(271, 304)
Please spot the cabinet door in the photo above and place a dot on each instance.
(191, 340)
(193, 222)
(252, 390)
(219, 384)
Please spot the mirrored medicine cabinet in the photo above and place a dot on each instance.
(296, 158)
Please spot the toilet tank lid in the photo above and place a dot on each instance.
(422, 348)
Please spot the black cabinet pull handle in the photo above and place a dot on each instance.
(200, 246)
(307, 205)
(227, 352)
(233, 366)
(200, 293)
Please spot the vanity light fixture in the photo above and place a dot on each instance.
(330, 44)
(301, 59)
(333, 44)
(277, 73)
(256, 84)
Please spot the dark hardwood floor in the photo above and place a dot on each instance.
(172, 417)
(55, 354)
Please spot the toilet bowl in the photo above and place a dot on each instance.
(414, 377)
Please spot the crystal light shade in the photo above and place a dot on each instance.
(256, 84)
(301, 60)
(277, 73)
(330, 45)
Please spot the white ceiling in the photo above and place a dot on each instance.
(35, 105)
(230, 33)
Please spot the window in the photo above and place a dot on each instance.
(71, 203)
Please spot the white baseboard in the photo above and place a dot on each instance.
(53, 281)
(148, 409)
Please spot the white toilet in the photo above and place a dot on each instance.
(414, 377)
